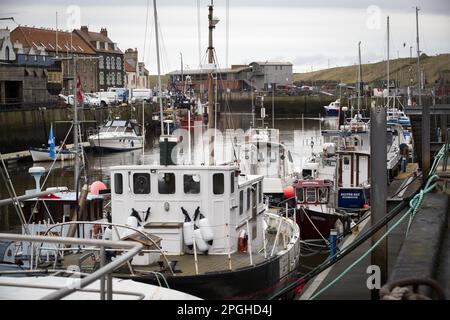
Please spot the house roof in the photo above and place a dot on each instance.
(89, 37)
(46, 38)
(272, 63)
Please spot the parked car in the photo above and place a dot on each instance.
(107, 98)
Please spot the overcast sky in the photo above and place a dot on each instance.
(310, 34)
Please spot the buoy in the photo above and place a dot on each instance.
(96, 187)
(366, 206)
(205, 229)
(199, 242)
(288, 192)
(188, 230)
(242, 241)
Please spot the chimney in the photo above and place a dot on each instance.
(104, 32)
(84, 29)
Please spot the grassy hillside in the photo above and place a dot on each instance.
(402, 69)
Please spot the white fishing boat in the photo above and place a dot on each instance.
(43, 154)
(118, 135)
(333, 109)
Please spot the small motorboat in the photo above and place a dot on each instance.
(332, 110)
(43, 154)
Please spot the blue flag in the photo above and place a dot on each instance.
(51, 144)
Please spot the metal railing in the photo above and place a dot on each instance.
(105, 271)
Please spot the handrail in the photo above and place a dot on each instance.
(134, 247)
(115, 225)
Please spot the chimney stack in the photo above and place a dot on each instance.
(104, 32)
(84, 29)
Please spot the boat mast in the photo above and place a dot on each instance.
(211, 106)
(359, 76)
(388, 70)
(419, 80)
(159, 68)
(75, 126)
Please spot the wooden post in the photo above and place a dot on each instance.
(75, 214)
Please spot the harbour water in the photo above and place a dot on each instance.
(296, 134)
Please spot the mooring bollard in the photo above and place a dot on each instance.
(333, 237)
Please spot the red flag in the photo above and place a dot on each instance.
(79, 92)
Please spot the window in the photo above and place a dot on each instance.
(232, 182)
(113, 78)
(108, 79)
(346, 161)
(118, 183)
(191, 183)
(119, 63)
(323, 195)
(218, 183)
(101, 62)
(241, 202)
(310, 195)
(7, 53)
(108, 65)
(300, 195)
(101, 79)
(248, 198)
(166, 183)
(119, 79)
(260, 189)
(141, 183)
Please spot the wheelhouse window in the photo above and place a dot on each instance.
(218, 183)
(166, 183)
(232, 182)
(310, 195)
(260, 193)
(118, 183)
(300, 195)
(191, 183)
(141, 183)
(323, 195)
(241, 202)
(248, 198)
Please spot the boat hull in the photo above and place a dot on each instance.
(117, 144)
(324, 222)
(331, 112)
(257, 282)
(39, 155)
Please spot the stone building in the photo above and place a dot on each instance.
(137, 76)
(110, 72)
(269, 72)
(39, 42)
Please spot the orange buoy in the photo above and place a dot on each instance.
(289, 192)
(96, 187)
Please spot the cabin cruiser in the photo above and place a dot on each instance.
(118, 135)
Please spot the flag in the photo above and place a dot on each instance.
(79, 92)
(51, 144)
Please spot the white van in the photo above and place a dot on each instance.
(107, 98)
(141, 95)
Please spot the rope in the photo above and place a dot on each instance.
(414, 206)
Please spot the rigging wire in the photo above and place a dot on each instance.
(146, 29)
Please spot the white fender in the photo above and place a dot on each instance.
(107, 234)
(132, 222)
(206, 230)
(188, 233)
(199, 242)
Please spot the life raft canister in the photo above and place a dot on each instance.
(242, 241)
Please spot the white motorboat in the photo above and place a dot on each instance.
(43, 154)
(118, 135)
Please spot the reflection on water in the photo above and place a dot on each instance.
(98, 163)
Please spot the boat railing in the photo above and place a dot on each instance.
(104, 273)
(115, 226)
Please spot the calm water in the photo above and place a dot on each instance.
(296, 138)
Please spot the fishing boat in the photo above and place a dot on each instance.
(118, 135)
(333, 109)
(43, 154)
(51, 153)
